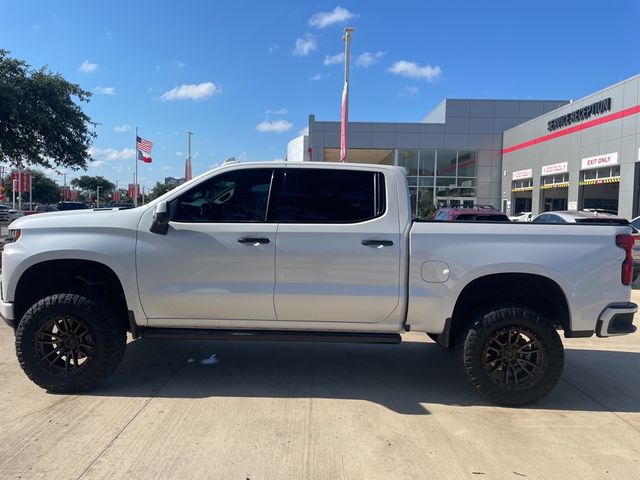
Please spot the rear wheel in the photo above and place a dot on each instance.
(68, 343)
(512, 356)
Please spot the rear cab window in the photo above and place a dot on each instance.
(321, 195)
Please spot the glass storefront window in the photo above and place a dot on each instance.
(425, 205)
(466, 182)
(409, 160)
(446, 163)
(425, 181)
(467, 162)
(427, 163)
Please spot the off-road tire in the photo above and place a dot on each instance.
(478, 348)
(104, 343)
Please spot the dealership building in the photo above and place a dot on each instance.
(517, 155)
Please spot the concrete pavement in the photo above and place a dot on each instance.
(307, 411)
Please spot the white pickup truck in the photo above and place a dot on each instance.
(311, 252)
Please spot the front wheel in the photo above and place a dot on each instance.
(67, 343)
(512, 356)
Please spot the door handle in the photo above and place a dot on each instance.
(253, 240)
(376, 243)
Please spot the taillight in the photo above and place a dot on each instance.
(626, 241)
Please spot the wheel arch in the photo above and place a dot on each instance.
(533, 291)
(87, 277)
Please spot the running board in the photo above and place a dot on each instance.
(270, 335)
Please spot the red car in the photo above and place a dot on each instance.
(477, 213)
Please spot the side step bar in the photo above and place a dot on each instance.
(269, 335)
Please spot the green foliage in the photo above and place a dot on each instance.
(43, 189)
(158, 190)
(40, 124)
(88, 187)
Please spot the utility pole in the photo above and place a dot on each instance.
(187, 166)
(344, 117)
(98, 196)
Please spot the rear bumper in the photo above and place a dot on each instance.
(616, 319)
(6, 312)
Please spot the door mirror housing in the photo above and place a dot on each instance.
(160, 224)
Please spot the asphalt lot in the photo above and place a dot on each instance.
(302, 411)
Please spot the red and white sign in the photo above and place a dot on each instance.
(562, 167)
(521, 174)
(116, 196)
(600, 161)
(73, 195)
(20, 181)
(134, 190)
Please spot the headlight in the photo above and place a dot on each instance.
(13, 236)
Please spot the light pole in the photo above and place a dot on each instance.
(344, 117)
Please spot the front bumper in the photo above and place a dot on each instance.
(6, 312)
(616, 319)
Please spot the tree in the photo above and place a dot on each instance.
(43, 189)
(88, 186)
(158, 190)
(40, 123)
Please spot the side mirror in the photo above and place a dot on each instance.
(160, 223)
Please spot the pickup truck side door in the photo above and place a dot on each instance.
(338, 247)
(217, 260)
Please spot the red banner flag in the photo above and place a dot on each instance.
(344, 118)
(20, 181)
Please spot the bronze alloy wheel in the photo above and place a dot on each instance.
(64, 345)
(514, 358)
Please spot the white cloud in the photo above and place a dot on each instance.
(325, 19)
(413, 70)
(108, 154)
(304, 46)
(273, 47)
(166, 168)
(277, 126)
(191, 92)
(105, 90)
(282, 111)
(304, 131)
(315, 78)
(334, 59)
(409, 92)
(181, 65)
(123, 128)
(88, 67)
(96, 163)
(178, 154)
(366, 59)
(243, 157)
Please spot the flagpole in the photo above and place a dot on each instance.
(344, 124)
(135, 179)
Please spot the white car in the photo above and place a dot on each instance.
(522, 217)
(309, 251)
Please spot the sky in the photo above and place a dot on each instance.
(244, 76)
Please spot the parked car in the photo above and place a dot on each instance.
(477, 213)
(522, 217)
(579, 216)
(45, 208)
(5, 215)
(329, 255)
(72, 206)
(14, 214)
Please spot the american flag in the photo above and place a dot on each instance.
(144, 145)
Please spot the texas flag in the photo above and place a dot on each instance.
(144, 157)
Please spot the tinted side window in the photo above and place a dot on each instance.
(330, 196)
(541, 219)
(233, 197)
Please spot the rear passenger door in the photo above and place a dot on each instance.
(337, 247)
